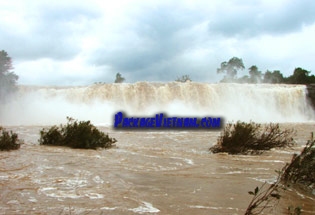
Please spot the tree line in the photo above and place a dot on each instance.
(8, 79)
(234, 65)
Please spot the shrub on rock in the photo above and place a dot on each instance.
(76, 134)
(252, 138)
(8, 140)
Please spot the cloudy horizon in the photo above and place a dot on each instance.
(80, 42)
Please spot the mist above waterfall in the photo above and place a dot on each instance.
(99, 102)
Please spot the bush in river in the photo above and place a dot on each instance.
(8, 140)
(76, 134)
(252, 138)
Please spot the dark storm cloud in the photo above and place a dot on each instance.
(250, 20)
(53, 31)
(158, 35)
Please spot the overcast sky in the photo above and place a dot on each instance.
(81, 42)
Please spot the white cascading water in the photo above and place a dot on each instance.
(99, 102)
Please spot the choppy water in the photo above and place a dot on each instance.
(161, 172)
(148, 173)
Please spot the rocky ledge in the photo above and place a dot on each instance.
(311, 94)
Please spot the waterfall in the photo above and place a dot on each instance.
(99, 102)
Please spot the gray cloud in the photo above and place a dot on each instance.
(151, 48)
(53, 32)
(78, 42)
(252, 20)
(159, 35)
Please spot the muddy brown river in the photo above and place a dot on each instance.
(168, 172)
(159, 172)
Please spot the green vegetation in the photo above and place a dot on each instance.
(301, 170)
(9, 140)
(300, 76)
(252, 138)
(264, 197)
(230, 69)
(274, 77)
(76, 134)
(183, 79)
(119, 78)
(7, 77)
(234, 65)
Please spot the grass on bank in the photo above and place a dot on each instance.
(252, 138)
(74, 134)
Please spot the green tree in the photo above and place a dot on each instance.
(274, 77)
(183, 78)
(119, 78)
(230, 69)
(244, 79)
(255, 74)
(7, 78)
(301, 76)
